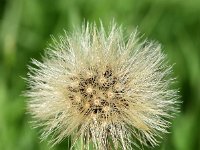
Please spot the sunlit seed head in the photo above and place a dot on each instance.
(106, 109)
(89, 90)
(96, 101)
(89, 74)
(77, 98)
(110, 94)
(87, 105)
(102, 89)
(102, 80)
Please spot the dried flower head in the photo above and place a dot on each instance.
(102, 90)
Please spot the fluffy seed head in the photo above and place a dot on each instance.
(102, 89)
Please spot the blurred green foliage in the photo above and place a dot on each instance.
(25, 29)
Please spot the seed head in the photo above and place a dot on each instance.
(102, 89)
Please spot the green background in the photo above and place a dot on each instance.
(25, 29)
